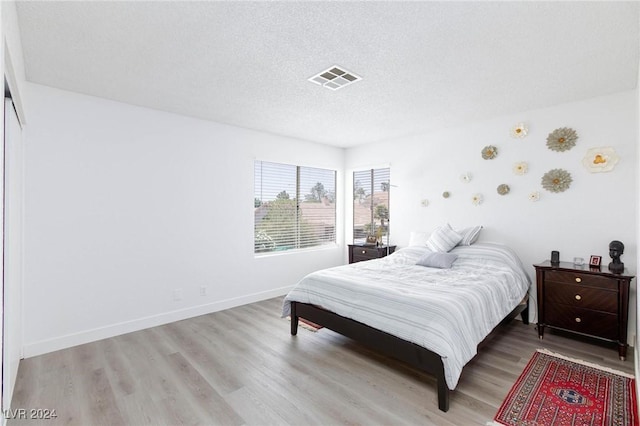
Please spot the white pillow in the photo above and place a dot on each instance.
(418, 238)
(443, 238)
(469, 235)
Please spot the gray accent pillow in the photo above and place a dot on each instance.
(437, 259)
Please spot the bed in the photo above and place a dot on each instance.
(429, 317)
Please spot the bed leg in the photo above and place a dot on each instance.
(443, 394)
(525, 314)
(294, 319)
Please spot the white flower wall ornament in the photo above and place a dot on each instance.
(477, 199)
(534, 196)
(519, 131)
(520, 168)
(465, 177)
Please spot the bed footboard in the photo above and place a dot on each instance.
(414, 355)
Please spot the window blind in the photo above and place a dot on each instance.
(294, 207)
(371, 205)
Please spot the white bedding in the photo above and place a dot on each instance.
(448, 311)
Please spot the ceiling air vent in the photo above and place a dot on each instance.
(335, 78)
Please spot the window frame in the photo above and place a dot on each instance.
(386, 171)
(304, 231)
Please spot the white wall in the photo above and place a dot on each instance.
(13, 71)
(125, 204)
(13, 250)
(597, 208)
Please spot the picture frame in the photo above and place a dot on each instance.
(372, 239)
(595, 261)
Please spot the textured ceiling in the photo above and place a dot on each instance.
(425, 65)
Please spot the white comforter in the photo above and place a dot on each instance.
(448, 311)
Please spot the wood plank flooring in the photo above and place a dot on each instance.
(242, 367)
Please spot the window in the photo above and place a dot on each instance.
(295, 207)
(371, 205)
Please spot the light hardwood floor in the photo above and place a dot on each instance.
(241, 366)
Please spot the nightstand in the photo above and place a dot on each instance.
(358, 253)
(585, 301)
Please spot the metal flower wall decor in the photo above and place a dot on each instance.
(602, 159)
(556, 180)
(519, 131)
(489, 152)
(503, 189)
(476, 199)
(562, 139)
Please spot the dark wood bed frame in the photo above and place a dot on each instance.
(414, 355)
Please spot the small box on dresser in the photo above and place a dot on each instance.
(358, 253)
(584, 300)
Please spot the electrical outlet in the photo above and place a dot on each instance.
(177, 294)
(203, 290)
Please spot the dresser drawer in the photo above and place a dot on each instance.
(565, 277)
(358, 253)
(582, 297)
(582, 320)
(365, 253)
(370, 252)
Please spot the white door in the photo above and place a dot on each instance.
(12, 273)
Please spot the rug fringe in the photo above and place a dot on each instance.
(588, 364)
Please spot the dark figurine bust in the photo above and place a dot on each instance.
(616, 248)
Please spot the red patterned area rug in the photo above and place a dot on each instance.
(307, 325)
(556, 390)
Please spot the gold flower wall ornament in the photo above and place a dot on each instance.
(556, 180)
(562, 139)
(602, 159)
(520, 168)
(534, 196)
(446, 194)
(519, 131)
(489, 152)
(476, 199)
(503, 189)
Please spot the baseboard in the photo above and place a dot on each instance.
(69, 340)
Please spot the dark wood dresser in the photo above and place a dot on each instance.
(358, 253)
(582, 300)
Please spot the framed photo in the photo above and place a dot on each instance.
(371, 239)
(594, 261)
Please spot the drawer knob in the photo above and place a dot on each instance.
(578, 279)
(578, 320)
(578, 297)
(364, 251)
